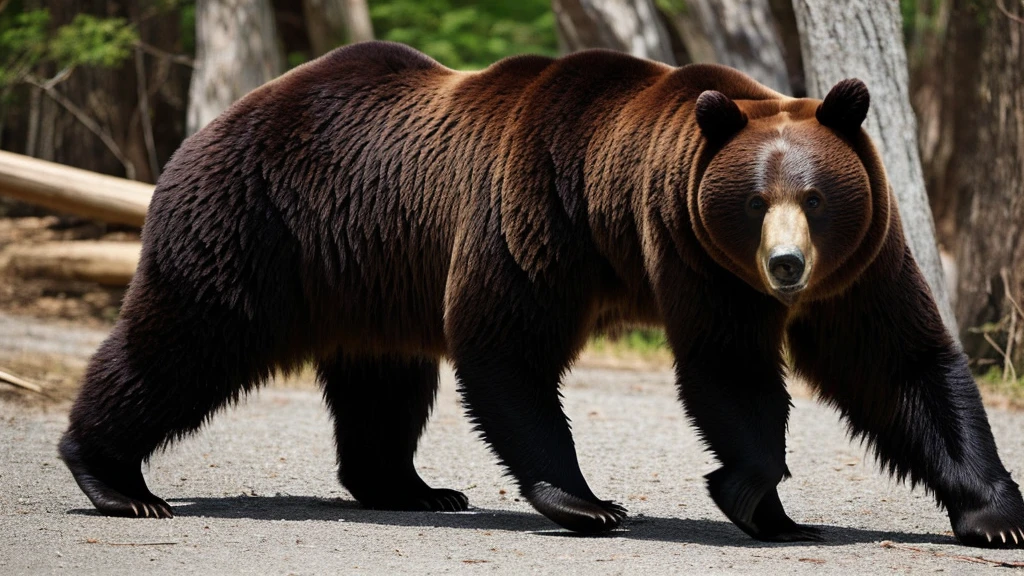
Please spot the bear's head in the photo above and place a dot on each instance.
(792, 195)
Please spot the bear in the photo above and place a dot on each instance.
(374, 212)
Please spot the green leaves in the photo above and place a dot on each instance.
(22, 43)
(92, 41)
(26, 41)
(463, 34)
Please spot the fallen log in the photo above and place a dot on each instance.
(107, 263)
(73, 191)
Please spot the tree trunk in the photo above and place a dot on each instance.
(325, 24)
(932, 61)
(236, 51)
(863, 39)
(630, 26)
(988, 175)
(785, 19)
(692, 34)
(744, 35)
(357, 20)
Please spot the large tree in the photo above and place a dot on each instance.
(631, 26)
(863, 39)
(236, 50)
(987, 175)
(743, 34)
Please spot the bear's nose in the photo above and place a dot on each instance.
(786, 265)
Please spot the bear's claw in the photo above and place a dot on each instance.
(997, 524)
(988, 529)
(115, 489)
(575, 513)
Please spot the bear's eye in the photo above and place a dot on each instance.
(813, 201)
(757, 203)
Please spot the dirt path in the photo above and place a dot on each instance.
(255, 492)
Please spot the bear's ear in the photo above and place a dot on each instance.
(845, 107)
(719, 117)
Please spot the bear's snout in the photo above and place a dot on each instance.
(786, 265)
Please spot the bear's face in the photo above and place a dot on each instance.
(785, 200)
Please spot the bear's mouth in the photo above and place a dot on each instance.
(788, 294)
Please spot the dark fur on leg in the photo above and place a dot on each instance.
(730, 381)
(189, 341)
(881, 355)
(513, 328)
(135, 398)
(380, 407)
(518, 411)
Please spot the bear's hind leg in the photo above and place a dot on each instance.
(157, 378)
(380, 407)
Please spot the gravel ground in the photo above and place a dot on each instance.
(255, 492)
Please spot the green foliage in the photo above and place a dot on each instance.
(26, 41)
(464, 34)
(1010, 389)
(672, 6)
(92, 41)
(22, 43)
(187, 25)
(643, 343)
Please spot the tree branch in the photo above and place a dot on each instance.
(147, 122)
(1002, 8)
(90, 124)
(176, 58)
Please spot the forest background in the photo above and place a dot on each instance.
(115, 86)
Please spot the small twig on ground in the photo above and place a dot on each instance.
(961, 557)
(19, 383)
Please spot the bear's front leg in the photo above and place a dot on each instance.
(736, 398)
(509, 381)
(510, 342)
(727, 341)
(881, 354)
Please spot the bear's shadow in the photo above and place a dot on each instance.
(678, 530)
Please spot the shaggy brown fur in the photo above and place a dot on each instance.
(375, 211)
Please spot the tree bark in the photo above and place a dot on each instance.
(863, 39)
(745, 35)
(357, 20)
(692, 34)
(630, 26)
(325, 24)
(789, 34)
(236, 51)
(932, 62)
(987, 173)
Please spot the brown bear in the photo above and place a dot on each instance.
(374, 212)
